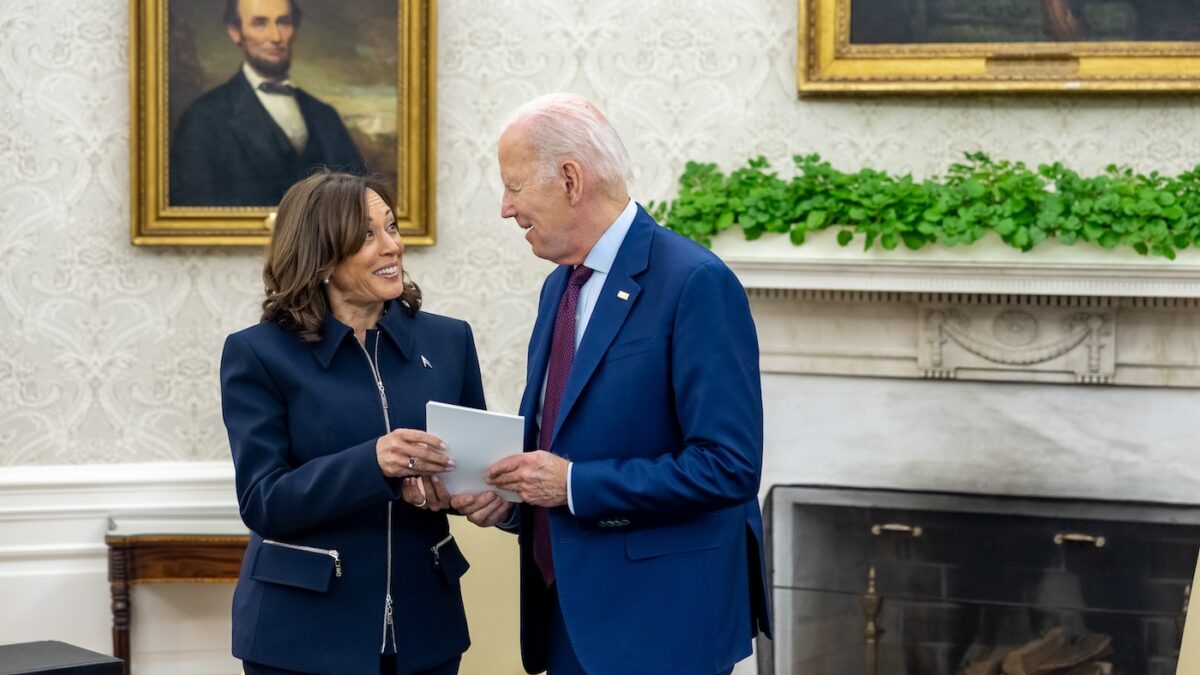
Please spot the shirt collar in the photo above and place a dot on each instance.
(255, 79)
(602, 255)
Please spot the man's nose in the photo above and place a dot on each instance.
(274, 34)
(506, 209)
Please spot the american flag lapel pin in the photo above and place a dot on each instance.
(425, 362)
(623, 295)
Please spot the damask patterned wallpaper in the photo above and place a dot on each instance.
(108, 353)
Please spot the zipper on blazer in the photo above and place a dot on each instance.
(389, 628)
(332, 553)
(375, 373)
(437, 550)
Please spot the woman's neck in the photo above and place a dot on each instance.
(359, 318)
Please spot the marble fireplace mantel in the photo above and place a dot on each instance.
(990, 266)
(1062, 373)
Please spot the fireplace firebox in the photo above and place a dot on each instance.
(889, 582)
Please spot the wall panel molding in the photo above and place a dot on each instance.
(54, 563)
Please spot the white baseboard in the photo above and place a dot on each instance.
(54, 563)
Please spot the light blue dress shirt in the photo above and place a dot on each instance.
(600, 259)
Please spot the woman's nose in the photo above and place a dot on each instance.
(394, 244)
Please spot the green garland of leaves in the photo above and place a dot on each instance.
(1150, 213)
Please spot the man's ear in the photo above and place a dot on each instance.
(572, 181)
(235, 34)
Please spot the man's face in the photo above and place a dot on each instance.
(539, 205)
(265, 35)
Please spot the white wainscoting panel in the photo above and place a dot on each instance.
(54, 564)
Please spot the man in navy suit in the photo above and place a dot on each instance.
(247, 141)
(640, 530)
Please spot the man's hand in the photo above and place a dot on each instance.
(539, 477)
(485, 509)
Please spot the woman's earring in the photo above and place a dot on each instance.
(326, 282)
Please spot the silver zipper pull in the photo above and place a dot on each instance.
(437, 556)
(387, 612)
(382, 394)
(337, 563)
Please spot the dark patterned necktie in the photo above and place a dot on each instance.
(562, 355)
(280, 88)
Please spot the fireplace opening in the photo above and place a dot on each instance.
(887, 582)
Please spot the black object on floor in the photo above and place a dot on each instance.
(51, 657)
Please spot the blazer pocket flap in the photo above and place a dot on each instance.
(310, 570)
(666, 540)
(630, 348)
(450, 561)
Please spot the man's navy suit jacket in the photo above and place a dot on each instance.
(660, 569)
(303, 420)
(228, 151)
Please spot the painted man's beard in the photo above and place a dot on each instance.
(277, 70)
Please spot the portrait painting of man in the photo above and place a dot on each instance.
(981, 21)
(261, 93)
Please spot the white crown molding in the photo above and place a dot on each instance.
(990, 266)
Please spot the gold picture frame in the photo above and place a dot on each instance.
(391, 119)
(1049, 46)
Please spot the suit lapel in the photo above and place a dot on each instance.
(266, 144)
(308, 110)
(611, 310)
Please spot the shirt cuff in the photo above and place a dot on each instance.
(514, 517)
(570, 502)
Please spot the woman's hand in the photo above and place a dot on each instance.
(405, 453)
(426, 493)
(486, 509)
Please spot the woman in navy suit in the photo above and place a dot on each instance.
(324, 401)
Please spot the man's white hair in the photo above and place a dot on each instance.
(568, 126)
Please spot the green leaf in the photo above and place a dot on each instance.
(913, 241)
(1152, 213)
(1020, 238)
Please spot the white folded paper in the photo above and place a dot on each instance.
(474, 439)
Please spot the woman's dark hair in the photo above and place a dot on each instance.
(321, 221)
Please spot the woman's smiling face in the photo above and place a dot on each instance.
(374, 274)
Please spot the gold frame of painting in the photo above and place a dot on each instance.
(829, 63)
(154, 221)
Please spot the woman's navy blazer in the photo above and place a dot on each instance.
(303, 420)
